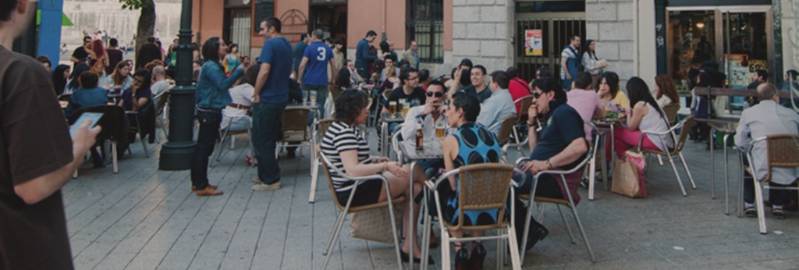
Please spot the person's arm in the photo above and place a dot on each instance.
(301, 70)
(353, 168)
(487, 115)
(574, 151)
(220, 81)
(39, 188)
(638, 113)
(564, 68)
(532, 126)
(333, 71)
(456, 83)
(743, 132)
(408, 129)
(260, 81)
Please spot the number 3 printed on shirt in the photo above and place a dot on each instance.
(322, 53)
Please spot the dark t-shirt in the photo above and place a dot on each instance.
(114, 57)
(564, 126)
(277, 53)
(34, 141)
(127, 97)
(80, 53)
(417, 96)
(482, 96)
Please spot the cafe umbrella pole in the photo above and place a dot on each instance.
(177, 152)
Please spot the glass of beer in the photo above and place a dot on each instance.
(441, 128)
(392, 107)
(405, 107)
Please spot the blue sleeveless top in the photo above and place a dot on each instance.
(475, 145)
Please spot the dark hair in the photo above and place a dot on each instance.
(405, 73)
(274, 22)
(384, 46)
(151, 40)
(86, 37)
(468, 103)
(574, 37)
(666, 86)
(303, 36)
(501, 78)
(371, 33)
(638, 91)
(547, 85)
(145, 75)
(512, 72)
(343, 78)
(113, 42)
(465, 80)
(88, 79)
(583, 80)
(44, 60)
(466, 62)
(762, 73)
(613, 81)
(587, 48)
(6, 8)
(439, 83)
(232, 46)
(251, 75)
(76, 71)
(349, 105)
(482, 68)
(792, 74)
(59, 81)
(424, 75)
(210, 51)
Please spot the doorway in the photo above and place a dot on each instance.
(549, 25)
(331, 17)
(737, 38)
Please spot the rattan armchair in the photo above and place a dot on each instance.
(676, 151)
(782, 151)
(318, 131)
(481, 186)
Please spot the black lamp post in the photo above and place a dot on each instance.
(177, 152)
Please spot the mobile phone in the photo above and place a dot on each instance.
(94, 117)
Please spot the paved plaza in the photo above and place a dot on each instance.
(143, 218)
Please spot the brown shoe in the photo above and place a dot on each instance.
(208, 191)
(193, 188)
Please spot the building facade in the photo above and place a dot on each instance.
(637, 38)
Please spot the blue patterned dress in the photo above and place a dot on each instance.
(475, 145)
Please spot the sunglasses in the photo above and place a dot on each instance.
(537, 94)
(437, 94)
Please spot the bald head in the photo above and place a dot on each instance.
(766, 91)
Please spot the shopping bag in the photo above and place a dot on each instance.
(629, 178)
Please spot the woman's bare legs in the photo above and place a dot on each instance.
(399, 186)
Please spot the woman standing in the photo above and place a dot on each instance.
(591, 63)
(98, 58)
(645, 115)
(212, 97)
(232, 58)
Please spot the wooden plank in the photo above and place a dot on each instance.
(269, 250)
(324, 218)
(298, 250)
(241, 249)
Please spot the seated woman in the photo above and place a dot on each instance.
(666, 94)
(644, 116)
(119, 79)
(347, 149)
(612, 98)
(470, 143)
(137, 99)
(236, 115)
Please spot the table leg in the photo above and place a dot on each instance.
(412, 219)
(612, 155)
(739, 203)
(425, 233)
(726, 178)
(604, 162)
(712, 165)
(382, 141)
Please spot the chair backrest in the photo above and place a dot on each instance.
(161, 101)
(524, 103)
(506, 129)
(295, 124)
(114, 122)
(687, 125)
(484, 186)
(323, 125)
(326, 168)
(783, 152)
(671, 112)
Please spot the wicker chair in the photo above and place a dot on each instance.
(481, 186)
(781, 153)
(295, 128)
(347, 209)
(318, 133)
(684, 126)
(567, 202)
(671, 112)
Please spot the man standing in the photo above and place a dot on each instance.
(363, 56)
(412, 55)
(299, 51)
(478, 87)
(37, 156)
(114, 55)
(316, 59)
(81, 53)
(570, 62)
(499, 106)
(269, 100)
(764, 119)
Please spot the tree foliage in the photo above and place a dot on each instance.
(135, 4)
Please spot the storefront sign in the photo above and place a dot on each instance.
(534, 42)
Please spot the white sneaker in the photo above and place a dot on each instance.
(265, 187)
(256, 180)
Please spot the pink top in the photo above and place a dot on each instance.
(585, 103)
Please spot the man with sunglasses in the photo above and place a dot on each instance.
(499, 106)
(428, 114)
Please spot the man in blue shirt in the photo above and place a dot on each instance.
(269, 100)
(313, 70)
(363, 56)
(299, 51)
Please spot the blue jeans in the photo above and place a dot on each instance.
(266, 129)
(321, 97)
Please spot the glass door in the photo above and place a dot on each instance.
(747, 45)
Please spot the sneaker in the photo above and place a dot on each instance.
(266, 187)
(777, 212)
(749, 210)
(256, 180)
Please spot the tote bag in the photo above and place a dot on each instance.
(629, 178)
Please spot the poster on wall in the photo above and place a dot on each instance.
(534, 42)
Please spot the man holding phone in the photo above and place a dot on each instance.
(36, 155)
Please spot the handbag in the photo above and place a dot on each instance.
(374, 224)
(629, 178)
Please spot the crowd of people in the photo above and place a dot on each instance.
(234, 93)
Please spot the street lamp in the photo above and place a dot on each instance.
(177, 153)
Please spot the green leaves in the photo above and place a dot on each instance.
(135, 4)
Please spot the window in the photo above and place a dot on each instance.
(425, 25)
(263, 10)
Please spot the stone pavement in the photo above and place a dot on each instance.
(143, 218)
